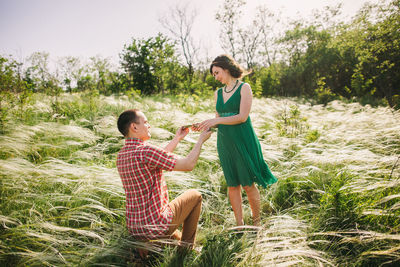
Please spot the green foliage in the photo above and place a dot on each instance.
(290, 123)
(342, 210)
(119, 83)
(396, 101)
(378, 53)
(92, 99)
(133, 94)
(254, 83)
(299, 193)
(323, 93)
(312, 136)
(284, 194)
(85, 83)
(15, 93)
(198, 87)
(270, 81)
(10, 76)
(338, 206)
(62, 202)
(308, 55)
(150, 64)
(39, 75)
(358, 59)
(220, 250)
(211, 81)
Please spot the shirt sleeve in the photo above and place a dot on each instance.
(158, 158)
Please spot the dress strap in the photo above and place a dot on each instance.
(240, 86)
(219, 93)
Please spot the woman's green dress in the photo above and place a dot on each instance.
(238, 147)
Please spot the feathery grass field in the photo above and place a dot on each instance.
(337, 201)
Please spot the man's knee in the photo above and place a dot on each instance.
(195, 194)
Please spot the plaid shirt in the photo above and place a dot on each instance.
(140, 168)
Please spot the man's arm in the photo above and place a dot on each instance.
(188, 163)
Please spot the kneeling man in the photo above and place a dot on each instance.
(149, 214)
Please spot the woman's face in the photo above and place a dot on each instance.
(221, 74)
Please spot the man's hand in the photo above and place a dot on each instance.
(205, 135)
(188, 163)
(181, 133)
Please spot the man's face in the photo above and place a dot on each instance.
(142, 127)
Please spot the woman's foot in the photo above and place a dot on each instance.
(257, 221)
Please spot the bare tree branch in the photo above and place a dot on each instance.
(179, 21)
(229, 15)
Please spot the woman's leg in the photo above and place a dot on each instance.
(253, 195)
(235, 197)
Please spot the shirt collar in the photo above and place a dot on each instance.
(133, 142)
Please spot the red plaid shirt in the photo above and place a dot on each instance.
(140, 167)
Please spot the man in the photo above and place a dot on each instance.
(149, 214)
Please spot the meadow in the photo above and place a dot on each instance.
(337, 201)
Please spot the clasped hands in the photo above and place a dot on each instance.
(206, 127)
(203, 126)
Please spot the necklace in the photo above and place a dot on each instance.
(232, 87)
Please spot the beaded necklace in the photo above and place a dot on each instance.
(232, 87)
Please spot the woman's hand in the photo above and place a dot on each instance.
(207, 124)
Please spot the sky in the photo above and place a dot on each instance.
(86, 28)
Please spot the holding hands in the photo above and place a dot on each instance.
(181, 134)
(205, 134)
(206, 125)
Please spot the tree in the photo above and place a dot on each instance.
(10, 77)
(378, 52)
(179, 22)
(86, 83)
(13, 89)
(43, 80)
(39, 72)
(229, 17)
(268, 23)
(149, 63)
(118, 83)
(69, 71)
(249, 43)
(100, 69)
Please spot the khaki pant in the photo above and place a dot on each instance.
(186, 209)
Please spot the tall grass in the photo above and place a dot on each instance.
(336, 201)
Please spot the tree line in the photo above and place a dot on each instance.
(321, 58)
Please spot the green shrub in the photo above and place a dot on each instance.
(323, 93)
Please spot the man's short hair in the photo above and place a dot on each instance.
(126, 119)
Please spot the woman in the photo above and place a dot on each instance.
(238, 147)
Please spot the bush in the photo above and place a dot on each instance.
(323, 93)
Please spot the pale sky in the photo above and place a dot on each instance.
(86, 28)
